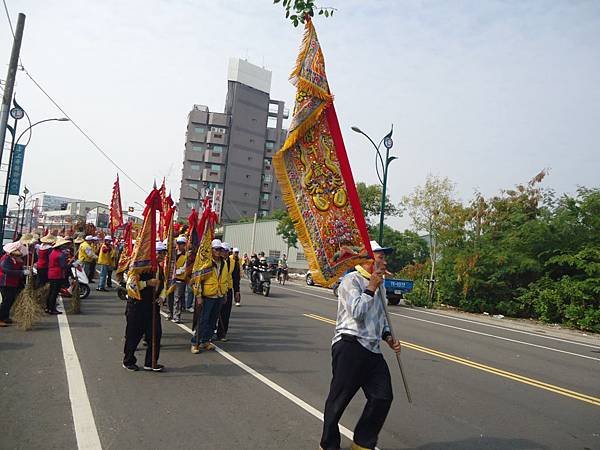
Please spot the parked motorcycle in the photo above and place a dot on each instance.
(261, 284)
(84, 288)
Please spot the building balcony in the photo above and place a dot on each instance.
(212, 176)
(213, 137)
(218, 119)
(211, 156)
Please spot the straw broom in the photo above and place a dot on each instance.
(28, 310)
(75, 300)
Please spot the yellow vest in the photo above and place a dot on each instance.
(215, 284)
(106, 258)
(83, 256)
(180, 264)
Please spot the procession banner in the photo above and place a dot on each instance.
(116, 211)
(315, 176)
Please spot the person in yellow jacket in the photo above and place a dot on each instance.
(177, 302)
(214, 285)
(105, 260)
(235, 269)
(87, 256)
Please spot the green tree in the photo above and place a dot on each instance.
(430, 208)
(298, 10)
(409, 247)
(370, 201)
(287, 230)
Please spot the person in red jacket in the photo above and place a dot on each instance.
(43, 252)
(12, 278)
(57, 273)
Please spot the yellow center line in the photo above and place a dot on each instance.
(493, 370)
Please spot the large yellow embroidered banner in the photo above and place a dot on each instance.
(315, 176)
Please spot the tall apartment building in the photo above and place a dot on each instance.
(232, 150)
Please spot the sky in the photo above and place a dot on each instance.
(486, 93)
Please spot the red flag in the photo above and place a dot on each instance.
(143, 258)
(315, 176)
(116, 211)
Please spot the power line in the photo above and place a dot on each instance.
(67, 115)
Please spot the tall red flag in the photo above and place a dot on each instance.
(116, 211)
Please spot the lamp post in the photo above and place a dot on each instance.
(388, 143)
(19, 113)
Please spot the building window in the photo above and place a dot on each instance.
(199, 130)
(272, 122)
(245, 194)
(250, 158)
(263, 213)
(274, 254)
(215, 167)
(217, 130)
(265, 196)
(190, 205)
(251, 141)
(267, 164)
(193, 185)
(198, 148)
(300, 256)
(217, 148)
(267, 178)
(269, 145)
(195, 166)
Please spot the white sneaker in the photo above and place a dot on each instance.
(237, 304)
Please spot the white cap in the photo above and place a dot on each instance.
(236, 250)
(95, 238)
(89, 237)
(226, 246)
(161, 246)
(378, 248)
(107, 238)
(216, 243)
(181, 240)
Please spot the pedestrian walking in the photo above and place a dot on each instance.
(213, 289)
(88, 257)
(179, 300)
(233, 293)
(105, 261)
(139, 316)
(357, 362)
(43, 253)
(58, 265)
(12, 278)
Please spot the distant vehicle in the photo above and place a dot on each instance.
(394, 289)
(309, 279)
(272, 262)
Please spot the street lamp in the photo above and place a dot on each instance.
(18, 114)
(388, 143)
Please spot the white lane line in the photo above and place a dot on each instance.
(466, 330)
(83, 419)
(287, 394)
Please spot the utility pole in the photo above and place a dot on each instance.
(10, 80)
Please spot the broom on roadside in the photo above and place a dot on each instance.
(27, 309)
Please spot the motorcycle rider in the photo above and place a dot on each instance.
(258, 262)
(282, 266)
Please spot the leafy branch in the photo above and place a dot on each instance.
(298, 10)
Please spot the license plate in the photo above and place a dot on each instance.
(398, 292)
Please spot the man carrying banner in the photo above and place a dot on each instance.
(139, 316)
(357, 361)
(180, 279)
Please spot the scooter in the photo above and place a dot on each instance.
(84, 288)
(282, 275)
(262, 283)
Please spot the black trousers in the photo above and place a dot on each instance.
(55, 286)
(224, 315)
(139, 323)
(356, 367)
(9, 295)
(42, 277)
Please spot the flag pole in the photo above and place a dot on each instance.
(389, 322)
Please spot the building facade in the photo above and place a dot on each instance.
(231, 152)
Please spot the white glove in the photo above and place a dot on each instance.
(26, 272)
(179, 271)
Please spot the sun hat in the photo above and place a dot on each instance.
(60, 242)
(161, 246)
(226, 246)
(48, 239)
(181, 240)
(236, 250)
(89, 237)
(216, 243)
(15, 248)
(78, 240)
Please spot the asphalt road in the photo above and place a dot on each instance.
(476, 383)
